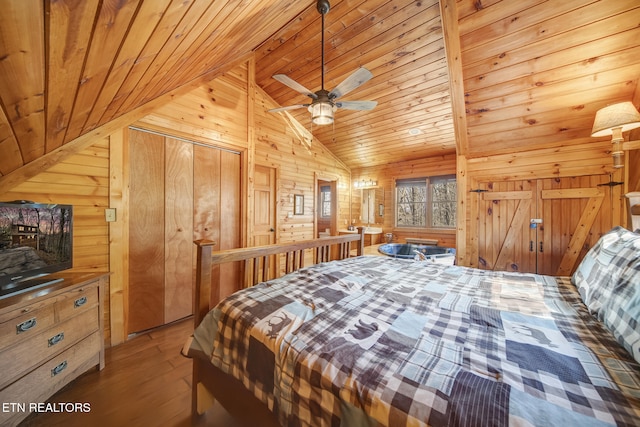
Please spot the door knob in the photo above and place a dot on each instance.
(271, 229)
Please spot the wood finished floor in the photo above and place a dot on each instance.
(146, 382)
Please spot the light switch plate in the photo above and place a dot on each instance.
(110, 214)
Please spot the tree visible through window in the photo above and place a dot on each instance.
(443, 202)
(411, 202)
(426, 202)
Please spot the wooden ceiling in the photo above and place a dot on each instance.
(526, 74)
(401, 43)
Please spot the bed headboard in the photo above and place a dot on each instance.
(257, 260)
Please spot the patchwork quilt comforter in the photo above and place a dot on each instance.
(382, 341)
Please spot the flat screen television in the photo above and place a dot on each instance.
(35, 240)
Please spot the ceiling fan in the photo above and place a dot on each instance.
(324, 103)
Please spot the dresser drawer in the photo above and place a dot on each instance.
(19, 359)
(26, 322)
(41, 383)
(77, 301)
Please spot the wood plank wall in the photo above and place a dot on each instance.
(386, 175)
(82, 181)
(298, 161)
(580, 157)
(214, 113)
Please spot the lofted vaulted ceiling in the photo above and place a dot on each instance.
(526, 74)
(401, 43)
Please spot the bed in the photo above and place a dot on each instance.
(377, 341)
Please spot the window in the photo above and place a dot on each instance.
(325, 201)
(426, 202)
(443, 202)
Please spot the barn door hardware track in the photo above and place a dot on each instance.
(611, 184)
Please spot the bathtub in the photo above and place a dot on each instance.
(437, 254)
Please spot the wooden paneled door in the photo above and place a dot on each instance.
(179, 192)
(146, 231)
(575, 212)
(178, 229)
(544, 226)
(504, 235)
(217, 209)
(264, 191)
(264, 211)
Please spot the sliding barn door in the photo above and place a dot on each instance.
(544, 226)
(179, 192)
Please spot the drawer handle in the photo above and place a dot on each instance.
(79, 302)
(61, 367)
(26, 325)
(56, 339)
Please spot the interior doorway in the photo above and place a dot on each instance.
(326, 208)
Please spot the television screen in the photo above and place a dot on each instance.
(35, 240)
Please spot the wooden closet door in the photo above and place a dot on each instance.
(146, 232)
(573, 213)
(179, 192)
(504, 234)
(217, 208)
(576, 211)
(178, 230)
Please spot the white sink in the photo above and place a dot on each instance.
(373, 230)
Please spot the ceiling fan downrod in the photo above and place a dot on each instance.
(323, 7)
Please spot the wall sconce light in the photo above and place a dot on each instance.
(364, 184)
(613, 120)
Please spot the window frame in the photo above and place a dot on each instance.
(429, 182)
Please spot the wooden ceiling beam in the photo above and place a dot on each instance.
(449, 15)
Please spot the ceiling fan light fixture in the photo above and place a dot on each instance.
(322, 113)
(324, 102)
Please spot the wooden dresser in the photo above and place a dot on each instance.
(48, 337)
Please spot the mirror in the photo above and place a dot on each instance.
(372, 205)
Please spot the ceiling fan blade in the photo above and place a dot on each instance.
(356, 105)
(360, 76)
(286, 80)
(290, 107)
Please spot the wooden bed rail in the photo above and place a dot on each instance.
(257, 260)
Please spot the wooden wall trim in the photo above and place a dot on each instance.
(250, 161)
(119, 235)
(462, 214)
